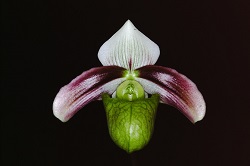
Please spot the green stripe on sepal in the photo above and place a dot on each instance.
(131, 123)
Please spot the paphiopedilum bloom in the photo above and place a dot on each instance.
(131, 88)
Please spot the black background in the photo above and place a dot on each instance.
(47, 44)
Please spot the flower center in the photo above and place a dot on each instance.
(130, 75)
(130, 90)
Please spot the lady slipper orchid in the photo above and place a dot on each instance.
(131, 88)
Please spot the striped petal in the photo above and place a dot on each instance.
(129, 48)
(174, 89)
(85, 88)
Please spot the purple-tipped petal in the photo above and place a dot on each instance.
(174, 89)
(85, 88)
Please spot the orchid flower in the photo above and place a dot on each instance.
(131, 88)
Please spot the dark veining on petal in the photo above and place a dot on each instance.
(83, 89)
(175, 89)
(130, 64)
(104, 76)
(102, 71)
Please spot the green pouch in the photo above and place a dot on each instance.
(131, 123)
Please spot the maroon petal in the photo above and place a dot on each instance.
(174, 89)
(85, 88)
